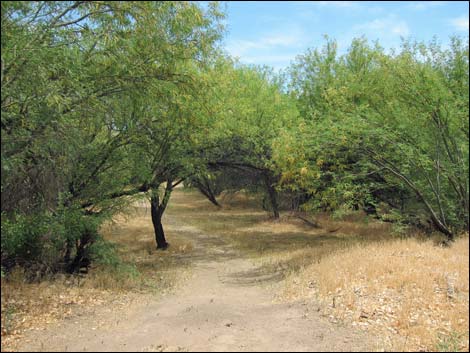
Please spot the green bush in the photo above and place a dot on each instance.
(49, 242)
(35, 239)
(104, 253)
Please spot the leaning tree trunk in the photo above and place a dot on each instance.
(157, 214)
(204, 187)
(81, 258)
(210, 196)
(272, 193)
(439, 223)
(156, 209)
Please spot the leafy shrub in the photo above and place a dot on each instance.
(104, 253)
(48, 242)
(35, 239)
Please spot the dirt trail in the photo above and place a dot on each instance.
(226, 305)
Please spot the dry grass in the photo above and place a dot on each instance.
(283, 245)
(412, 292)
(134, 236)
(143, 270)
(242, 222)
(35, 305)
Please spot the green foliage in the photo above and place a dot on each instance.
(104, 253)
(92, 95)
(250, 110)
(34, 239)
(41, 240)
(106, 99)
(379, 125)
(246, 109)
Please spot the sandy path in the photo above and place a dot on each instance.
(226, 305)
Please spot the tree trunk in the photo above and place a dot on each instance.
(203, 185)
(438, 223)
(81, 258)
(157, 208)
(208, 194)
(68, 252)
(157, 214)
(272, 193)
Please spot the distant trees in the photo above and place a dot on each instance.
(381, 125)
(105, 100)
(249, 110)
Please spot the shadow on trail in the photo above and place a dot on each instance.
(213, 250)
(254, 277)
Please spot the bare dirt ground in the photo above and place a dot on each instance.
(226, 304)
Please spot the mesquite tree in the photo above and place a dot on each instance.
(247, 109)
(70, 73)
(377, 121)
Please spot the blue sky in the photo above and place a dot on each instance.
(274, 33)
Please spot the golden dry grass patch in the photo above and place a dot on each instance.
(282, 246)
(242, 222)
(35, 305)
(413, 293)
(143, 271)
(133, 234)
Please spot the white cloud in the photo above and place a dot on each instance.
(275, 49)
(460, 23)
(276, 61)
(384, 26)
(281, 40)
(275, 41)
(401, 29)
(424, 5)
(343, 4)
(240, 47)
(269, 59)
(387, 30)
